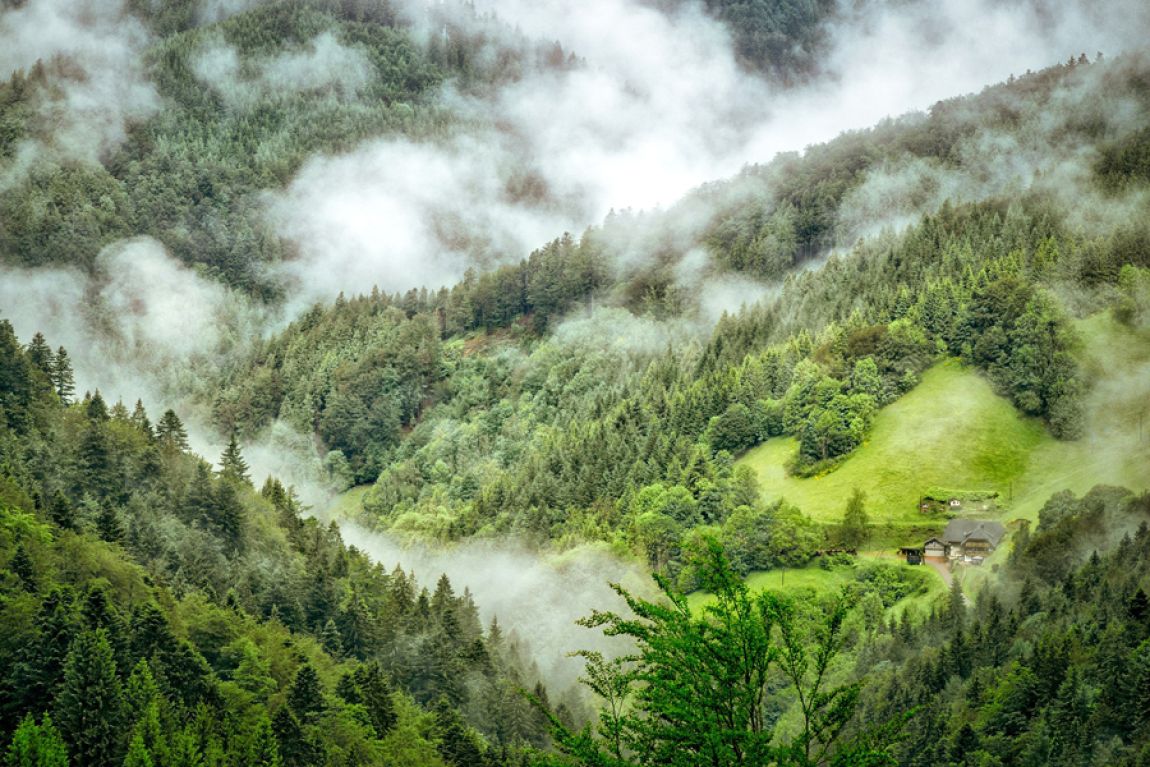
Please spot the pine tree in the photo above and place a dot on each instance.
(262, 749)
(330, 639)
(375, 693)
(90, 706)
(62, 377)
(138, 755)
(170, 432)
(40, 355)
(108, 524)
(61, 512)
(140, 691)
(227, 514)
(96, 462)
(21, 565)
(139, 419)
(457, 744)
(37, 745)
(97, 409)
(232, 464)
(306, 695)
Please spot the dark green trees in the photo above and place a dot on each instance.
(855, 528)
(90, 707)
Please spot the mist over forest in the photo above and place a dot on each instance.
(634, 382)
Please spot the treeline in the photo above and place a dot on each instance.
(158, 611)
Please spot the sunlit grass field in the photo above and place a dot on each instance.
(953, 431)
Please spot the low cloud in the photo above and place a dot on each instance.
(656, 106)
(537, 596)
(97, 86)
(322, 66)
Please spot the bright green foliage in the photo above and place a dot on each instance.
(138, 755)
(263, 751)
(36, 745)
(696, 690)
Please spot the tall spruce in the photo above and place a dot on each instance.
(90, 706)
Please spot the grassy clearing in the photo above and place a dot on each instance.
(814, 582)
(953, 431)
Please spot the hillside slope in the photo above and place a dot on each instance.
(952, 431)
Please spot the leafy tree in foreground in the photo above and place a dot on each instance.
(696, 691)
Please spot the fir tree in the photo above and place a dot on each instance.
(21, 565)
(97, 409)
(90, 707)
(227, 514)
(61, 512)
(306, 695)
(138, 755)
(108, 524)
(262, 749)
(170, 433)
(62, 378)
(232, 464)
(40, 355)
(375, 693)
(139, 419)
(37, 745)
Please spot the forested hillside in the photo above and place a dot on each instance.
(484, 282)
(496, 422)
(161, 611)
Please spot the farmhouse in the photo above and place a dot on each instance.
(970, 539)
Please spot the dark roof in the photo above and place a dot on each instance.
(962, 530)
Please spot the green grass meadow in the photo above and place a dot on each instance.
(953, 431)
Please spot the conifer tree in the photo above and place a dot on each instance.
(37, 745)
(61, 512)
(138, 755)
(262, 749)
(62, 377)
(90, 706)
(139, 419)
(232, 464)
(96, 462)
(306, 695)
(227, 514)
(40, 354)
(170, 432)
(96, 409)
(375, 694)
(108, 524)
(21, 565)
